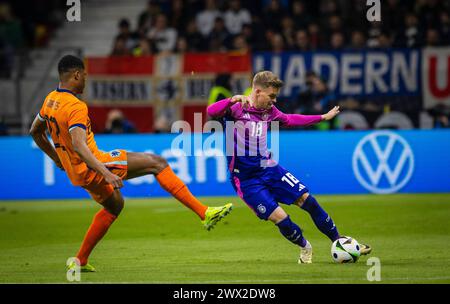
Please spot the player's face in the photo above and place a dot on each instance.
(265, 98)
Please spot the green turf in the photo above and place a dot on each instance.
(160, 241)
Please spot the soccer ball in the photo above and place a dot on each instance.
(345, 250)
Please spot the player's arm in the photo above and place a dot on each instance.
(81, 148)
(38, 132)
(220, 108)
(298, 120)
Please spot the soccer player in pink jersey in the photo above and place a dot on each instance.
(258, 180)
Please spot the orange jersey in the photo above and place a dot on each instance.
(63, 111)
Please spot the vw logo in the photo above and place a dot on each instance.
(383, 162)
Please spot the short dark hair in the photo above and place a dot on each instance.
(68, 63)
(124, 23)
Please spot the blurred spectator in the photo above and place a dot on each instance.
(441, 115)
(235, 17)
(143, 48)
(250, 37)
(405, 24)
(429, 13)
(10, 28)
(3, 127)
(327, 10)
(314, 36)
(358, 40)
(432, 38)
(126, 34)
(147, 18)
(195, 40)
(337, 41)
(116, 123)
(164, 38)
(182, 46)
(6, 59)
(218, 39)
(120, 47)
(373, 33)
(390, 12)
(178, 16)
(288, 31)
(221, 88)
(302, 41)
(277, 44)
(384, 40)
(162, 124)
(240, 45)
(316, 98)
(410, 34)
(206, 18)
(335, 24)
(11, 40)
(335, 27)
(445, 27)
(299, 15)
(273, 14)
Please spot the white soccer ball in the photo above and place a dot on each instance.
(345, 250)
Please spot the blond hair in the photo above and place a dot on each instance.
(267, 79)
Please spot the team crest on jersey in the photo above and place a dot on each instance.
(265, 116)
(261, 208)
(115, 153)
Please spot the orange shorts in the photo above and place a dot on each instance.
(116, 162)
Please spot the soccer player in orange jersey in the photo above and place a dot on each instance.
(100, 173)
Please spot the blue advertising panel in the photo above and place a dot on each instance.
(336, 162)
(348, 73)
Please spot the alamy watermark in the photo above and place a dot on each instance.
(374, 12)
(250, 138)
(74, 11)
(374, 272)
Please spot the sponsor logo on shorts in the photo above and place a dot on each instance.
(261, 208)
(115, 153)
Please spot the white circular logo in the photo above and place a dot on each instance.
(383, 162)
(261, 208)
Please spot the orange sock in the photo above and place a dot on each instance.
(172, 184)
(100, 224)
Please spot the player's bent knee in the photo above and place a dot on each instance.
(277, 216)
(301, 200)
(159, 163)
(114, 204)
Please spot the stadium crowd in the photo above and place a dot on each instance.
(25, 25)
(243, 26)
(281, 25)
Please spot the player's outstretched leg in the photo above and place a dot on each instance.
(293, 233)
(99, 226)
(140, 164)
(320, 218)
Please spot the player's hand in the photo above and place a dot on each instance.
(331, 114)
(114, 180)
(242, 99)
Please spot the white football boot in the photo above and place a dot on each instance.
(306, 254)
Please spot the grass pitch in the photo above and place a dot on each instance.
(161, 241)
